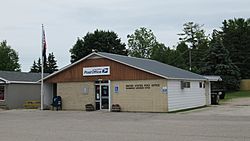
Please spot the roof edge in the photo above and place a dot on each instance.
(68, 66)
(171, 78)
(4, 80)
(23, 82)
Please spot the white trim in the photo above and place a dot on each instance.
(16, 82)
(4, 80)
(171, 78)
(23, 82)
(213, 77)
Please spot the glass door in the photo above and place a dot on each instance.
(105, 97)
(97, 97)
(102, 95)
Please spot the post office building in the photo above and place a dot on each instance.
(135, 84)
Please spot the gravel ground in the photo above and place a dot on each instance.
(235, 107)
(227, 122)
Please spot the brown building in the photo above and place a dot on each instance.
(136, 84)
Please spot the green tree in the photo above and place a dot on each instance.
(194, 36)
(103, 41)
(218, 62)
(39, 64)
(160, 53)
(181, 59)
(8, 58)
(236, 38)
(79, 50)
(51, 64)
(142, 42)
(35, 67)
(49, 67)
(167, 55)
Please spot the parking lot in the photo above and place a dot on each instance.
(227, 122)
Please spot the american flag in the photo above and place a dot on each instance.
(43, 45)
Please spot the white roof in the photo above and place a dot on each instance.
(213, 78)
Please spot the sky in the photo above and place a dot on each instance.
(66, 20)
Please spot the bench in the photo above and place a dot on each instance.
(32, 104)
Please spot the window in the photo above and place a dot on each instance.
(185, 84)
(1, 92)
(200, 84)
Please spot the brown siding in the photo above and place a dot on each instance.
(118, 71)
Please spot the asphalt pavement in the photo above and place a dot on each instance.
(216, 123)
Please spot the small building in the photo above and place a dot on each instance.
(136, 84)
(18, 87)
(217, 89)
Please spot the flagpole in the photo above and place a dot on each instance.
(42, 68)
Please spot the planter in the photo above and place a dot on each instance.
(116, 108)
(89, 107)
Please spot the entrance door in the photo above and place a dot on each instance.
(97, 97)
(102, 95)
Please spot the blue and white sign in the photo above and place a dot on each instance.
(92, 71)
(116, 89)
(164, 90)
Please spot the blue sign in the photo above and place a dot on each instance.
(116, 88)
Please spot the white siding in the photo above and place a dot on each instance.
(48, 94)
(179, 99)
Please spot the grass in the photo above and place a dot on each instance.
(238, 94)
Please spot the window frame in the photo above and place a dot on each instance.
(200, 84)
(185, 84)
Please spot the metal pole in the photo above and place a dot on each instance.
(109, 96)
(42, 70)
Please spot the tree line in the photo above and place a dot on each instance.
(224, 52)
(49, 65)
(9, 61)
